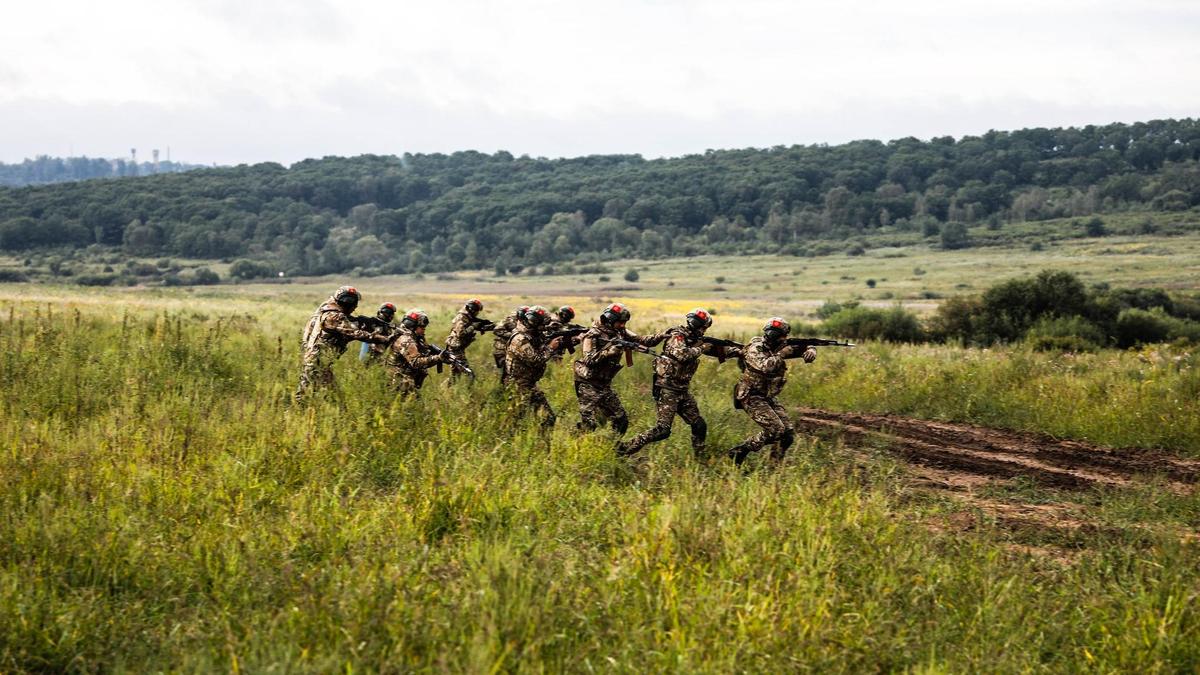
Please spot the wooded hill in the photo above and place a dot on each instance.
(387, 214)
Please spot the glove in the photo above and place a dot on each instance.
(809, 355)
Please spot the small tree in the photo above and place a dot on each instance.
(1095, 228)
(954, 236)
(631, 275)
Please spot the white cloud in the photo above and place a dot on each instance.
(558, 78)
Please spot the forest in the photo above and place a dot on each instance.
(470, 210)
(45, 169)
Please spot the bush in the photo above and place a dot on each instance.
(95, 279)
(12, 275)
(250, 269)
(203, 276)
(830, 308)
(1066, 333)
(1095, 228)
(954, 236)
(720, 280)
(631, 275)
(1139, 326)
(864, 323)
(870, 283)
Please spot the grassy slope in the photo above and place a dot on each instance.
(165, 508)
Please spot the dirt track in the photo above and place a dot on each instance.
(961, 460)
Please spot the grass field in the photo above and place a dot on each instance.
(166, 507)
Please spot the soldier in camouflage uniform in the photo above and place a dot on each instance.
(409, 356)
(463, 331)
(600, 363)
(673, 373)
(502, 334)
(561, 320)
(525, 362)
(374, 353)
(762, 379)
(325, 338)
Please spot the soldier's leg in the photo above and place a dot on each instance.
(589, 401)
(539, 402)
(759, 410)
(690, 412)
(610, 405)
(665, 415)
(787, 436)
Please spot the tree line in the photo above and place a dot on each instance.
(45, 169)
(428, 212)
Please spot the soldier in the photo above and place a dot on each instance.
(326, 336)
(525, 361)
(673, 373)
(762, 380)
(409, 357)
(561, 320)
(463, 330)
(373, 353)
(600, 363)
(502, 333)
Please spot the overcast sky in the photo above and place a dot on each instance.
(232, 81)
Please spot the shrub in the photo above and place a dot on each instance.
(250, 269)
(602, 278)
(955, 319)
(870, 283)
(95, 279)
(864, 323)
(1095, 228)
(1066, 333)
(203, 276)
(830, 308)
(1139, 326)
(720, 280)
(954, 236)
(631, 275)
(12, 275)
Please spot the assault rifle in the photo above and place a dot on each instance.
(805, 343)
(483, 325)
(568, 335)
(631, 347)
(720, 345)
(450, 358)
(372, 323)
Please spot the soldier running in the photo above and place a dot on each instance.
(762, 380)
(409, 356)
(373, 353)
(600, 363)
(525, 362)
(463, 330)
(673, 372)
(502, 334)
(326, 336)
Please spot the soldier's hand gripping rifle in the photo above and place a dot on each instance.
(372, 323)
(568, 336)
(720, 345)
(483, 325)
(631, 347)
(449, 357)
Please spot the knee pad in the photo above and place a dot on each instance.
(620, 424)
(699, 430)
(657, 433)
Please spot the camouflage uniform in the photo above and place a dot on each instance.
(325, 338)
(762, 380)
(462, 334)
(525, 363)
(502, 333)
(595, 370)
(373, 353)
(408, 358)
(673, 373)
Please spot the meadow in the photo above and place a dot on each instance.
(166, 507)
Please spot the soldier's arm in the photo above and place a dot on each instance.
(762, 359)
(342, 325)
(415, 358)
(596, 349)
(646, 340)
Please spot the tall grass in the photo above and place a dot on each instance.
(165, 507)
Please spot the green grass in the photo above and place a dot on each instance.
(165, 508)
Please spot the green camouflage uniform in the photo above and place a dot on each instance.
(462, 334)
(502, 333)
(325, 338)
(594, 373)
(408, 358)
(762, 380)
(673, 373)
(525, 363)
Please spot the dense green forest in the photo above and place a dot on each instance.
(44, 169)
(377, 214)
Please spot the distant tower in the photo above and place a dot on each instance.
(154, 152)
(133, 155)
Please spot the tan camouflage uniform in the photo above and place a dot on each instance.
(462, 334)
(376, 352)
(503, 332)
(408, 358)
(594, 373)
(673, 373)
(761, 381)
(325, 338)
(525, 363)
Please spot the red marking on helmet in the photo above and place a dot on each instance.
(414, 316)
(474, 301)
(569, 309)
(702, 314)
(617, 308)
(540, 312)
(352, 290)
(678, 336)
(388, 305)
(776, 324)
